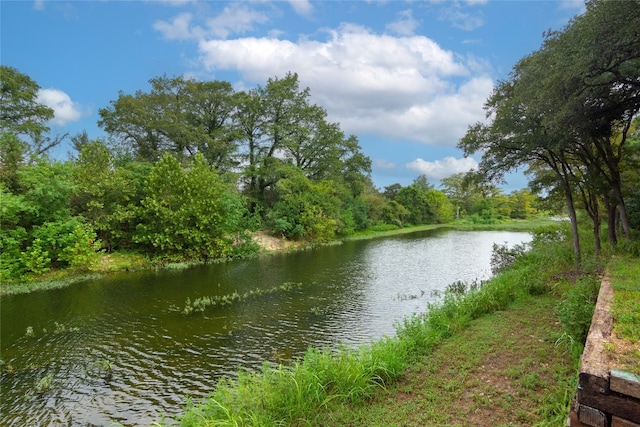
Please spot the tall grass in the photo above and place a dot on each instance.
(293, 394)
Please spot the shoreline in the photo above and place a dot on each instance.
(116, 262)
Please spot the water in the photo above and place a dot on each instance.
(120, 350)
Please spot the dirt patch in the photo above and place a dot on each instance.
(269, 243)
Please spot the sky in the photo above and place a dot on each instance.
(407, 78)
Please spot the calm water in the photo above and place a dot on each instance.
(351, 294)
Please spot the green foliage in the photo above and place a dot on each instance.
(36, 259)
(192, 211)
(47, 188)
(20, 111)
(502, 256)
(12, 152)
(565, 114)
(177, 116)
(576, 310)
(81, 251)
(414, 199)
(305, 209)
(443, 210)
(395, 214)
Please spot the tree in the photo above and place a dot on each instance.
(522, 204)
(178, 116)
(190, 212)
(280, 127)
(415, 199)
(278, 114)
(597, 72)
(443, 210)
(12, 152)
(516, 137)
(20, 112)
(305, 209)
(461, 190)
(22, 116)
(107, 194)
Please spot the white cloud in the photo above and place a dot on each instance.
(302, 7)
(462, 20)
(444, 168)
(405, 25)
(65, 110)
(399, 87)
(38, 5)
(179, 28)
(235, 18)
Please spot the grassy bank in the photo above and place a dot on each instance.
(504, 369)
(348, 386)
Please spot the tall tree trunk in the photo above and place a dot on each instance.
(574, 220)
(622, 211)
(611, 222)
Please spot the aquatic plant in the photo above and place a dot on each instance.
(61, 328)
(105, 368)
(44, 384)
(29, 332)
(199, 305)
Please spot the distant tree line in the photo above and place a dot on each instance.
(568, 114)
(190, 169)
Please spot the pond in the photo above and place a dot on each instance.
(121, 350)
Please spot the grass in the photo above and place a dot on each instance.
(624, 273)
(504, 369)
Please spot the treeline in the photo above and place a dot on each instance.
(568, 113)
(190, 169)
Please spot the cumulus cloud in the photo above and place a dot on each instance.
(444, 168)
(404, 87)
(64, 109)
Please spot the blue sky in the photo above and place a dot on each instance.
(406, 77)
